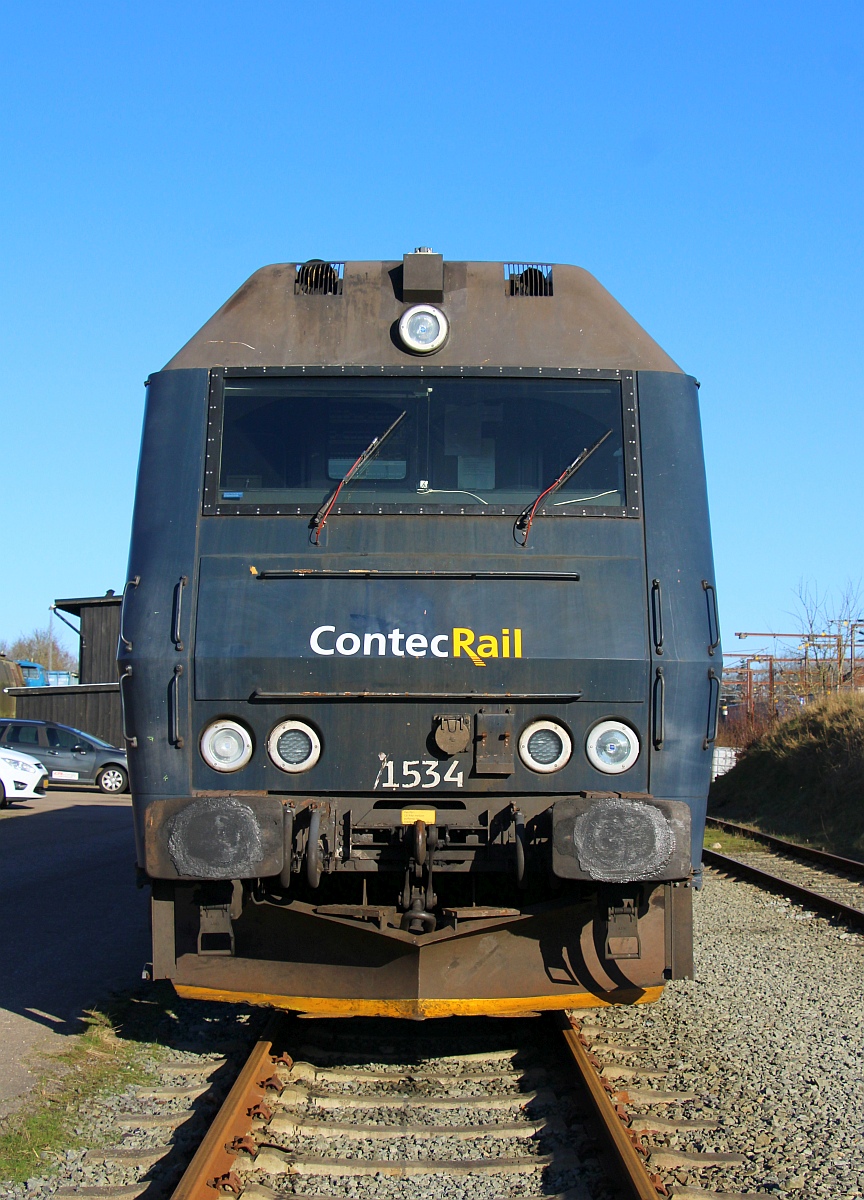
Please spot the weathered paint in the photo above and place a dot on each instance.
(322, 1006)
(254, 590)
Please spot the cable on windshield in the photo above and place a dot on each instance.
(320, 519)
(522, 524)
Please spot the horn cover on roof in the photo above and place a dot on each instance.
(271, 322)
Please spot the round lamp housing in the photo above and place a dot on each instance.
(294, 746)
(423, 329)
(226, 746)
(612, 747)
(545, 746)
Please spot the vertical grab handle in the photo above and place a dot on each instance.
(713, 618)
(713, 708)
(658, 708)
(174, 707)
(657, 616)
(127, 737)
(178, 612)
(129, 583)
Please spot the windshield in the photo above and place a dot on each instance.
(465, 443)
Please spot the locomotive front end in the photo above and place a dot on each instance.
(419, 655)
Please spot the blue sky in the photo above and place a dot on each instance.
(703, 161)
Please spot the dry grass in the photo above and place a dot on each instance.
(803, 777)
(744, 728)
(97, 1061)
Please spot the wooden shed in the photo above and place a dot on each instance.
(93, 704)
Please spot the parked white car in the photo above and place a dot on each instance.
(22, 777)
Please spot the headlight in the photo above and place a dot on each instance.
(294, 746)
(226, 746)
(612, 747)
(423, 329)
(18, 764)
(545, 746)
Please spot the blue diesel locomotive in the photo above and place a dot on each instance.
(419, 654)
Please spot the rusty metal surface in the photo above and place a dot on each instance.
(625, 1147)
(210, 1169)
(265, 323)
(557, 954)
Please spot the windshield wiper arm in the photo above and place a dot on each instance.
(522, 524)
(318, 521)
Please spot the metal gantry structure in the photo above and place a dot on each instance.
(768, 683)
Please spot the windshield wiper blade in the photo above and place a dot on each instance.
(522, 524)
(318, 521)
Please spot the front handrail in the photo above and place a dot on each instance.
(178, 609)
(657, 616)
(174, 735)
(127, 737)
(713, 708)
(267, 697)
(713, 616)
(129, 583)
(658, 708)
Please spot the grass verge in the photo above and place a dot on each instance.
(123, 1044)
(96, 1063)
(730, 843)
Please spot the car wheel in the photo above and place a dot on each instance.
(4, 803)
(112, 780)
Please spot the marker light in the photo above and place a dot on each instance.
(423, 329)
(612, 747)
(545, 746)
(226, 746)
(294, 746)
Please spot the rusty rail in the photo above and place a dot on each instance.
(209, 1173)
(776, 883)
(850, 865)
(626, 1147)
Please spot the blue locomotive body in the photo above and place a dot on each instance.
(385, 757)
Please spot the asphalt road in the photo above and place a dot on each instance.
(73, 925)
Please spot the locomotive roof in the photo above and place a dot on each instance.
(272, 320)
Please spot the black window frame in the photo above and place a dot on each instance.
(213, 506)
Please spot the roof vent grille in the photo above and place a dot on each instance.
(319, 278)
(528, 279)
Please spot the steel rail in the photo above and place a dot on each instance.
(850, 865)
(734, 866)
(211, 1165)
(637, 1183)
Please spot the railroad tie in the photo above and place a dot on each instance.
(298, 1097)
(304, 1071)
(299, 1127)
(272, 1161)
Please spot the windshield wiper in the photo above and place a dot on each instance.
(522, 524)
(318, 521)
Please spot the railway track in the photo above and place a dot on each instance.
(522, 1109)
(519, 1109)
(813, 877)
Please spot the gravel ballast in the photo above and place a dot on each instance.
(769, 1038)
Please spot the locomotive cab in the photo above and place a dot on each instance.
(419, 652)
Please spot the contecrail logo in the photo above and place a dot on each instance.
(476, 646)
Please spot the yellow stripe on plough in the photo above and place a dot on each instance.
(328, 1006)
